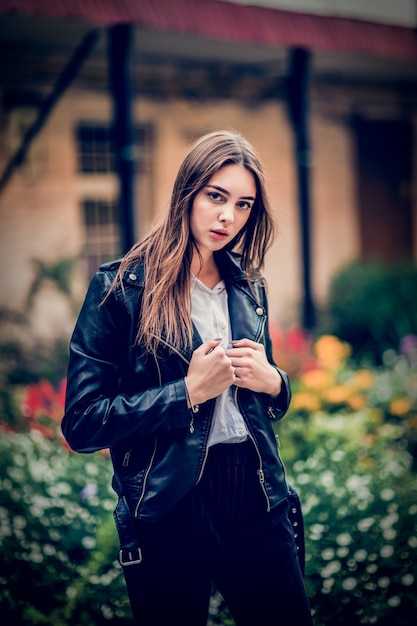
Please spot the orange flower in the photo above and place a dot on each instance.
(331, 352)
(304, 401)
(363, 380)
(400, 406)
(337, 395)
(356, 402)
(317, 379)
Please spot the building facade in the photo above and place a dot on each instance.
(61, 203)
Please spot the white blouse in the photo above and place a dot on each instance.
(210, 314)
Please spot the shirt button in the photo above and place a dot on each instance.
(259, 310)
(132, 276)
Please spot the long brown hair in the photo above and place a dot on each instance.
(168, 250)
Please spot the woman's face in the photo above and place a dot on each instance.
(222, 208)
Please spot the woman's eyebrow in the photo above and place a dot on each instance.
(227, 193)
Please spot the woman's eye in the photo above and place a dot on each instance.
(214, 195)
(245, 206)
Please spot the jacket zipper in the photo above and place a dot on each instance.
(203, 465)
(191, 426)
(260, 471)
(148, 469)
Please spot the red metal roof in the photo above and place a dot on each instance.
(233, 22)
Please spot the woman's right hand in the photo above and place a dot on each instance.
(210, 372)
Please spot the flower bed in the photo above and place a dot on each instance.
(349, 445)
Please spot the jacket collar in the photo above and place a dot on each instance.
(228, 263)
(236, 284)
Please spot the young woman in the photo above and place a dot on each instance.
(171, 368)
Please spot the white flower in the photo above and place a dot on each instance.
(19, 521)
(349, 583)
(370, 586)
(92, 469)
(407, 580)
(354, 482)
(48, 549)
(342, 552)
(331, 568)
(389, 534)
(389, 520)
(383, 582)
(88, 542)
(327, 479)
(316, 531)
(386, 551)
(344, 539)
(372, 568)
(394, 601)
(327, 585)
(36, 557)
(387, 494)
(327, 554)
(59, 489)
(360, 555)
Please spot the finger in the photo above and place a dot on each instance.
(246, 343)
(242, 342)
(236, 353)
(210, 345)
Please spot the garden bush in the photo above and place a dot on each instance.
(372, 306)
(348, 443)
(57, 538)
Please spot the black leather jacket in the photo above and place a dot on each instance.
(122, 398)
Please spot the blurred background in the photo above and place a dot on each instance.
(99, 103)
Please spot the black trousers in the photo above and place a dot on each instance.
(220, 532)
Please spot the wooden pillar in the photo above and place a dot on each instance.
(120, 44)
(298, 104)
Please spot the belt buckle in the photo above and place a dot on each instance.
(130, 556)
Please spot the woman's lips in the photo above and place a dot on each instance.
(218, 234)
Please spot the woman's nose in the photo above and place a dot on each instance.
(227, 214)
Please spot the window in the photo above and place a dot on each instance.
(96, 165)
(102, 233)
(96, 154)
(95, 149)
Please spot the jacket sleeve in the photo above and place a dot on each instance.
(99, 413)
(277, 407)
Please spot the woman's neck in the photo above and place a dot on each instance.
(206, 271)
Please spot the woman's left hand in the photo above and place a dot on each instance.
(252, 369)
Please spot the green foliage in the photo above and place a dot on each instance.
(58, 543)
(60, 273)
(348, 442)
(23, 363)
(359, 500)
(24, 358)
(373, 306)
